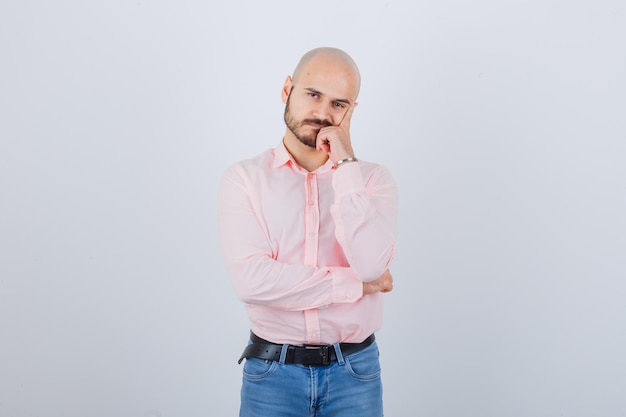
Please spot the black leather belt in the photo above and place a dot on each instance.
(308, 355)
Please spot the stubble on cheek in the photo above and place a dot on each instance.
(298, 129)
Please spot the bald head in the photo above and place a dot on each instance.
(327, 58)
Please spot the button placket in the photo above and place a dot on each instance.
(312, 217)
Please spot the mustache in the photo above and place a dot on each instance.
(317, 122)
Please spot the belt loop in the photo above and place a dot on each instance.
(340, 360)
(283, 354)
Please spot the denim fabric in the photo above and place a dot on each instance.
(350, 387)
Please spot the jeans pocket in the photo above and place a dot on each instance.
(364, 365)
(255, 369)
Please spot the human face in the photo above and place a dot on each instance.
(304, 130)
(318, 98)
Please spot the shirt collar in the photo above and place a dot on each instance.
(282, 157)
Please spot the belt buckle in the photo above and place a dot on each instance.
(324, 355)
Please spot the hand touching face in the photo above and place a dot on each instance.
(335, 140)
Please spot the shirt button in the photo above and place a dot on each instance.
(310, 202)
(347, 295)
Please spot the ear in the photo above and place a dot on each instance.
(284, 93)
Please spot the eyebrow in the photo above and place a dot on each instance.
(340, 100)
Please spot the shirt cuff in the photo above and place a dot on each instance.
(347, 287)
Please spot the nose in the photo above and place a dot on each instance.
(322, 112)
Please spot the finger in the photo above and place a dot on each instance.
(322, 142)
(323, 146)
(347, 116)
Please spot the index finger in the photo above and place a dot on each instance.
(345, 120)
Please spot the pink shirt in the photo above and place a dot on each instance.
(298, 245)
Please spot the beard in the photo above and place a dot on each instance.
(296, 127)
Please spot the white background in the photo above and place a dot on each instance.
(502, 121)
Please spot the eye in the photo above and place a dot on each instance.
(312, 94)
(339, 105)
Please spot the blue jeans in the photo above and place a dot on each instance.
(349, 387)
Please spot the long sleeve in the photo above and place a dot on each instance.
(365, 215)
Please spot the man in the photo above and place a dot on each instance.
(308, 232)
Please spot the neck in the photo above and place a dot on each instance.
(305, 156)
